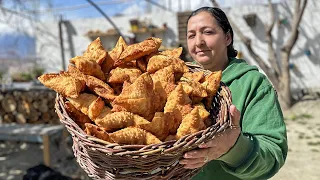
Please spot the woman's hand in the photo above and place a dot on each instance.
(216, 147)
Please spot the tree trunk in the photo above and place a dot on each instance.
(279, 78)
(285, 93)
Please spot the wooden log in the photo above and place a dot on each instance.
(8, 118)
(34, 116)
(1, 120)
(27, 97)
(36, 104)
(45, 117)
(9, 104)
(1, 97)
(51, 96)
(20, 119)
(17, 94)
(24, 107)
(43, 106)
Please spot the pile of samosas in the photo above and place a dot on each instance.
(135, 94)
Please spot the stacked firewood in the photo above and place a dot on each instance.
(34, 107)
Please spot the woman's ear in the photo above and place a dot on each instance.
(228, 38)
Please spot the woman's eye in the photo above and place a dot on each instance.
(208, 32)
(191, 36)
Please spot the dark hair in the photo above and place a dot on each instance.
(222, 21)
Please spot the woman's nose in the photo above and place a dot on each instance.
(199, 40)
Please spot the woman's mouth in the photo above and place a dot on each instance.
(201, 52)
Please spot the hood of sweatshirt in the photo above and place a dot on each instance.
(236, 69)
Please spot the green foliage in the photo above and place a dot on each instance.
(22, 77)
(28, 76)
(37, 71)
(314, 143)
(295, 117)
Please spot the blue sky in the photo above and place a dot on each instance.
(73, 9)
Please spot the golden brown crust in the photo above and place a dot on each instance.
(159, 125)
(137, 98)
(136, 51)
(113, 55)
(63, 83)
(179, 104)
(173, 52)
(118, 120)
(100, 88)
(77, 115)
(97, 131)
(163, 85)
(159, 61)
(88, 66)
(190, 124)
(121, 74)
(134, 135)
(95, 51)
(212, 84)
(195, 76)
(88, 104)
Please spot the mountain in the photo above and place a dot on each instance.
(17, 46)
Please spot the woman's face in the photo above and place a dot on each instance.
(207, 43)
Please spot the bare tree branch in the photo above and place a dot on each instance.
(271, 53)
(215, 3)
(297, 16)
(247, 42)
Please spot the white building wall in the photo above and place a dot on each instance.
(48, 45)
(306, 71)
(305, 76)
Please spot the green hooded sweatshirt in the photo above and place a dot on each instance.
(261, 148)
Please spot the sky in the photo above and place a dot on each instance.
(74, 9)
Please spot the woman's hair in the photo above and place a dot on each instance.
(222, 21)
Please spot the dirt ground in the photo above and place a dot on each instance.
(303, 126)
(303, 161)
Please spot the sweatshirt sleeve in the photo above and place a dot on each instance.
(263, 138)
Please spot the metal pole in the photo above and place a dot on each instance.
(61, 43)
(105, 15)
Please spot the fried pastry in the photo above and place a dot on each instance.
(97, 131)
(194, 90)
(174, 52)
(76, 73)
(159, 125)
(179, 104)
(76, 115)
(95, 108)
(88, 104)
(212, 84)
(163, 85)
(137, 98)
(100, 88)
(141, 64)
(160, 61)
(113, 55)
(138, 50)
(121, 74)
(63, 83)
(88, 66)
(95, 51)
(118, 120)
(134, 135)
(190, 124)
(194, 76)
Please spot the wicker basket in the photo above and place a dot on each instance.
(103, 160)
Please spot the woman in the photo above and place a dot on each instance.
(256, 146)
